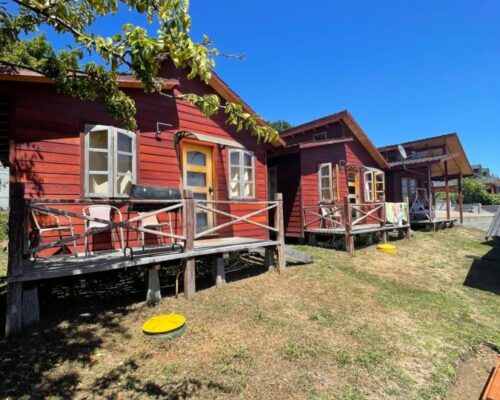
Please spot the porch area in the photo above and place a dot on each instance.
(350, 219)
(53, 238)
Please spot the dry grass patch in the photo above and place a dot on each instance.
(368, 326)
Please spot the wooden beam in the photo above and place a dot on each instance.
(447, 190)
(269, 259)
(280, 235)
(189, 233)
(460, 200)
(349, 238)
(17, 206)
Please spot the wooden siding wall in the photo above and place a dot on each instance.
(334, 131)
(393, 182)
(46, 150)
(288, 174)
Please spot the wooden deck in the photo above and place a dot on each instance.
(435, 224)
(356, 229)
(56, 267)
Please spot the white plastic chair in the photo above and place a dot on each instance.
(328, 215)
(151, 222)
(104, 212)
(46, 222)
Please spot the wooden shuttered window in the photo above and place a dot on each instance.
(328, 183)
(374, 185)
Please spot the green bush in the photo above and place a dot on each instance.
(4, 225)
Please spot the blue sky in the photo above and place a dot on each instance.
(405, 70)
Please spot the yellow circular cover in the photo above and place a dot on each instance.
(387, 248)
(163, 324)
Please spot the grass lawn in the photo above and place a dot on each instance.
(368, 326)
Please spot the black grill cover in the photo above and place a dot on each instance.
(143, 192)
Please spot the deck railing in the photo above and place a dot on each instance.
(349, 219)
(182, 231)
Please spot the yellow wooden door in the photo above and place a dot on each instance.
(198, 176)
(353, 189)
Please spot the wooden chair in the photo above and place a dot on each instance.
(153, 223)
(328, 216)
(104, 212)
(44, 222)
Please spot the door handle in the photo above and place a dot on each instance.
(210, 190)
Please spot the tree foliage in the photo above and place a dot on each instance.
(474, 191)
(280, 125)
(132, 50)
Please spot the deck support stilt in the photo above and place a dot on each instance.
(280, 235)
(349, 237)
(18, 215)
(218, 272)
(153, 295)
(189, 230)
(30, 307)
(269, 260)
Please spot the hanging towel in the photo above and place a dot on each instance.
(389, 213)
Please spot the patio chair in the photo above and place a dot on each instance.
(104, 212)
(45, 222)
(328, 215)
(152, 222)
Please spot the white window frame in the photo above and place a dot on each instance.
(241, 181)
(371, 192)
(320, 182)
(317, 137)
(112, 152)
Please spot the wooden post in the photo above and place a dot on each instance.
(218, 272)
(447, 190)
(17, 237)
(430, 194)
(189, 231)
(460, 200)
(406, 200)
(280, 235)
(153, 295)
(349, 239)
(269, 259)
(382, 224)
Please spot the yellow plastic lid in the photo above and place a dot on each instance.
(163, 324)
(385, 246)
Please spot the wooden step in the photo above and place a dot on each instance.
(492, 391)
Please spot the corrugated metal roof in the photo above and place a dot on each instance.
(494, 230)
(417, 160)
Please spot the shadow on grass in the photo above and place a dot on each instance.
(77, 313)
(484, 273)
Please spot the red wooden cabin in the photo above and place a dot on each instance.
(427, 166)
(325, 167)
(71, 154)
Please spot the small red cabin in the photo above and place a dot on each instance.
(70, 156)
(325, 164)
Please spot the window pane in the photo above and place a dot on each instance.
(98, 184)
(248, 174)
(248, 192)
(235, 189)
(351, 177)
(247, 160)
(196, 158)
(198, 179)
(235, 174)
(325, 195)
(325, 183)
(235, 158)
(123, 184)
(98, 161)
(200, 196)
(124, 143)
(98, 139)
(352, 190)
(201, 221)
(124, 164)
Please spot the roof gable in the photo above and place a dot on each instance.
(350, 122)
